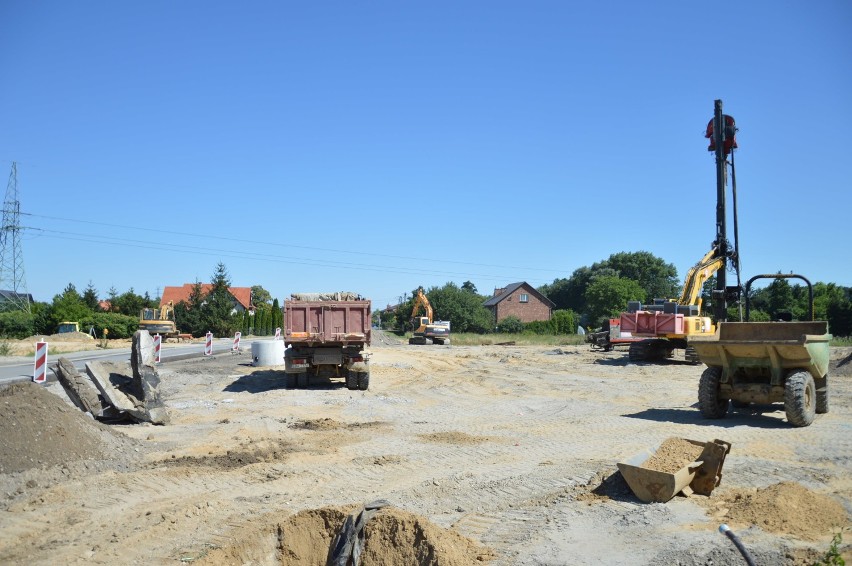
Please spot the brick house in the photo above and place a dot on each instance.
(240, 296)
(521, 300)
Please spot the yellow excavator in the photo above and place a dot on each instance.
(159, 321)
(427, 331)
(665, 325)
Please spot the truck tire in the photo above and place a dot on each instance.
(351, 380)
(363, 380)
(822, 395)
(290, 380)
(710, 402)
(800, 398)
(302, 380)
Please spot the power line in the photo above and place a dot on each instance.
(279, 244)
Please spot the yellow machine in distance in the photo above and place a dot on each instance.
(427, 331)
(159, 321)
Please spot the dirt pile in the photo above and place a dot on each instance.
(38, 430)
(41, 430)
(393, 536)
(672, 455)
(786, 508)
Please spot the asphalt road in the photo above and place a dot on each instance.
(19, 370)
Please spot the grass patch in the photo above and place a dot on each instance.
(5, 348)
(841, 341)
(469, 339)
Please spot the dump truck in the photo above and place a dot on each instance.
(325, 336)
(766, 362)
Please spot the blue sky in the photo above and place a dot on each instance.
(378, 146)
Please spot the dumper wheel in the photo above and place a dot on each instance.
(822, 395)
(800, 398)
(710, 402)
(351, 379)
(363, 380)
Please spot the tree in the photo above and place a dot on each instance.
(469, 287)
(277, 315)
(90, 298)
(607, 296)
(462, 308)
(67, 307)
(260, 296)
(655, 277)
(188, 313)
(218, 312)
(129, 303)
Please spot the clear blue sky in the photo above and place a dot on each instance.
(378, 146)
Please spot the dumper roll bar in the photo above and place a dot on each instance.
(780, 276)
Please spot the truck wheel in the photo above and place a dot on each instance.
(351, 379)
(822, 395)
(363, 380)
(710, 402)
(800, 398)
(302, 380)
(290, 380)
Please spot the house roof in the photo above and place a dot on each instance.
(509, 289)
(178, 294)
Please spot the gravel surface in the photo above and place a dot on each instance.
(512, 449)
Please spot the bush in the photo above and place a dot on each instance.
(16, 324)
(119, 325)
(510, 325)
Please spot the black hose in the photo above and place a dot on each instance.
(736, 229)
(726, 530)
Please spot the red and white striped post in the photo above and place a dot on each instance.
(40, 369)
(236, 347)
(208, 345)
(278, 333)
(158, 340)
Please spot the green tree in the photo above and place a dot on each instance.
(462, 308)
(188, 314)
(607, 296)
(129, 303)
(16, 324)
(218, 312)
(67, 307)
(260, 296)
(469, 287)
(90, 298)
(277, 315)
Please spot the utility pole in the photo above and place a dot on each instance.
(12, 277)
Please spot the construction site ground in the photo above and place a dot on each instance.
(494, 454)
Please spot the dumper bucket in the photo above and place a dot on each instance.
(677, 465)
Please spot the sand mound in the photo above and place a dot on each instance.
(841, 362)
(393, 536)
(39, 430)
(786, 508)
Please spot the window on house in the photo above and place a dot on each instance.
(525, 298)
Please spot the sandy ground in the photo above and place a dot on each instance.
(513, 448)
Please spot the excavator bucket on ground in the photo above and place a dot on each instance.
(688, 466)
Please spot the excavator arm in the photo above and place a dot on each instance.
(697, 275)
(421, 301)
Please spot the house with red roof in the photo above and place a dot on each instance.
(241, 295)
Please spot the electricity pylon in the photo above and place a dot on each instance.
(13, 283)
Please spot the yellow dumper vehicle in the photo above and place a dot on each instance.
(766, 362)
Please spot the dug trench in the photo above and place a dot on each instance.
(495, 454)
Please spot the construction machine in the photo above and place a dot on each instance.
(159, 321)
(427, 331)
(669, 324)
